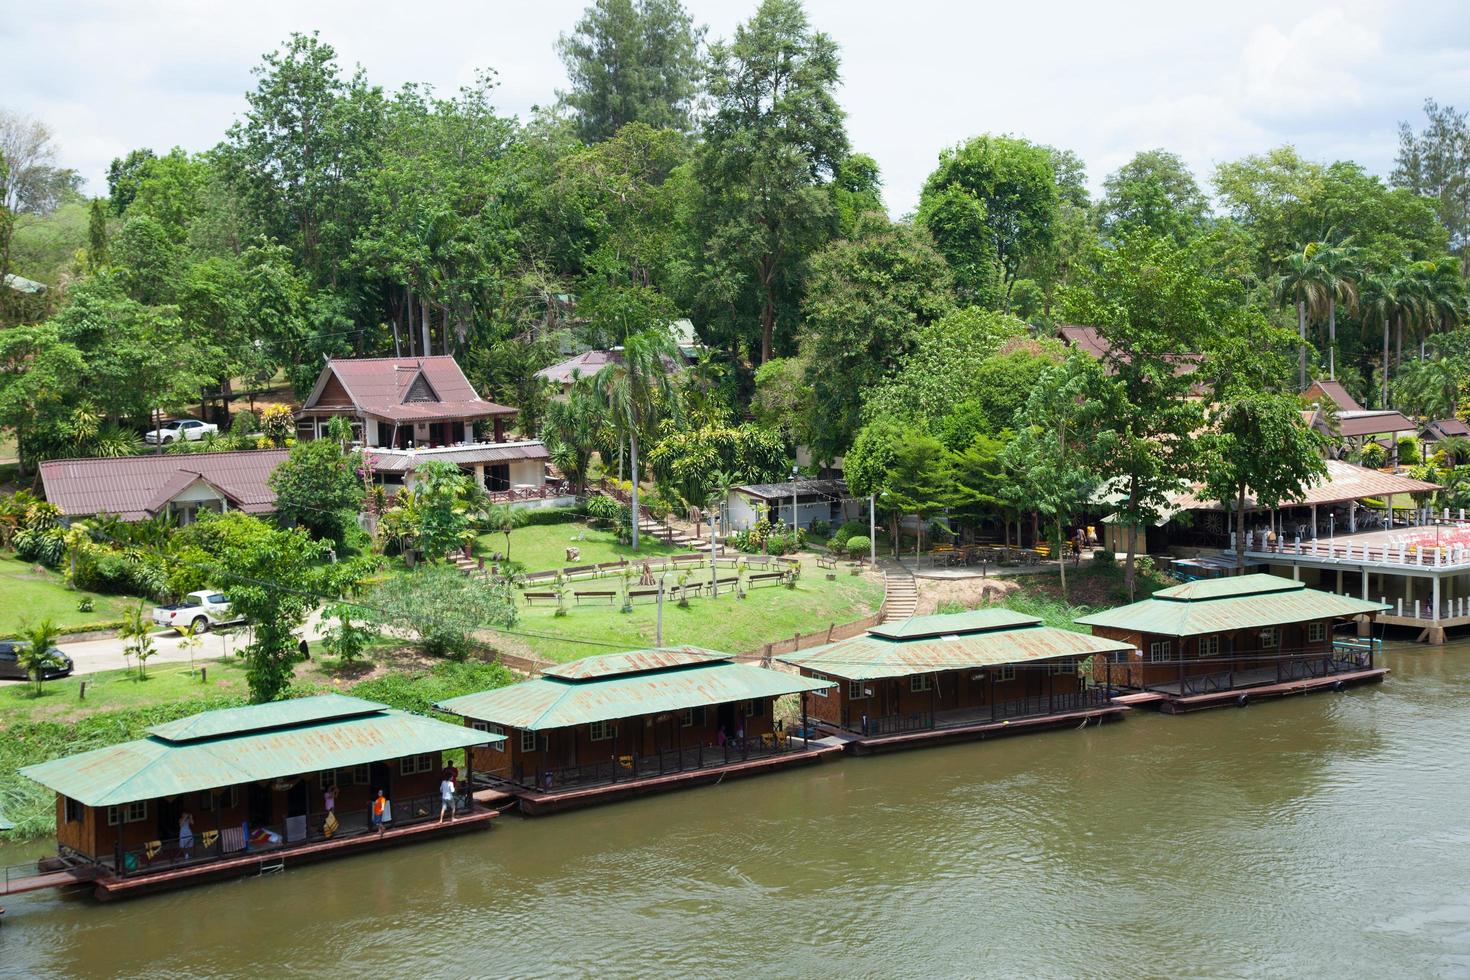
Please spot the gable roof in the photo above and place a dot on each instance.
(1334, 392)
(588, 363)
(406, 389)
(824, 489)
(627, 685)
(956, 641)
(1368, 423)
(136, 488)
(1090, 341)
(1446, 429)
(1345, 481)
(242, 745)
(1235, 603)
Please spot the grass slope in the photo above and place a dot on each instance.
(28, 596)
(544, 547)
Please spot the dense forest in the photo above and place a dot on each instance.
(714, 180)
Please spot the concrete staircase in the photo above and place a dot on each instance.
(900, 594)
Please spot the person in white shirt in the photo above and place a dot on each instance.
(446, 798)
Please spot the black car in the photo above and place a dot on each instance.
(10, 662)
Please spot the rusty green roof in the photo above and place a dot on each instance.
(1235, 603)
(634, 662)
(5, 824)
(155, 766)
(990, 618)
(258, 717)
(552, 701)
(960, 641)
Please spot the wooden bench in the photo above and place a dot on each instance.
(827, 561)
(766, 576)
(609, 595)
(531, 597)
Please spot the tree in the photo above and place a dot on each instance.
(1435, 164)
(990, 205)
(870, 464)
(136, 633)
(124, 175)
(502, 518)
(866, 300)
(921, 481)
(1154, 192)
(576, 427)
(1059, 437)
(1152, 304)
(1258, 445)
(30, 181)
(37, 653)
(440, 490)
(1304, 282)
(772, 145)
(637, 390)
(442, 607)
(318, 488)
(96, 236)
(346, 638)
(274, 578)
(683, 460)
(631, 61)
(1339, 268)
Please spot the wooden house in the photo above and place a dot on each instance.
(1216, 641)
(253, 781)
(621, 725)
(960, 676)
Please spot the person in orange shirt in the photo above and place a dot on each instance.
(379, 805)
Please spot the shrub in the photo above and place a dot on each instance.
(554, 515)
(1144, 565)
(1373, 455)
(243, 426)
(277, 424)
(858, 546)
(1408, 448)
(85, 605)
(848, 529)
(778, 544)
(1104, 557)
(820, 529)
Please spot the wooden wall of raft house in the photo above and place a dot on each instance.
(1238, 650)
(947, 690)
(86, 829)
(643, 735)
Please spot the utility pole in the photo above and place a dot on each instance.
(794, 524)
(658, 628)
(872, 529)
(714, 572)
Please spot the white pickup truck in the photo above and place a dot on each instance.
(180, 430)
(198, 612)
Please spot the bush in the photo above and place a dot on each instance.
(554, 515)
(820, 529)
(243, 426)
(1144, 565)
(1104, 557)
(779, 544)
(277, 423)
(1408, 448)
(1373, 455)
(848, 529)
(858, 546)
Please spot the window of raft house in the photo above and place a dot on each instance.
(412, 764)
(920, 682)
(1006, 673)
(692, 717)
(1160, 651)
(361, 775)
(1061, 668)
(327, 778)
(528, 740)
(135, 812)
(856, 691)
(755, 708)
(1209, 646)
(1316, 632)
(73, 810)
(822, 691)
(602, 731)
(491, 729)
(1270, 638)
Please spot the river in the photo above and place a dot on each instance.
(1321, 836)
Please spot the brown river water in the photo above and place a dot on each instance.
(1325, 836)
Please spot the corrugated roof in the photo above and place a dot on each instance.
(973, 621)
(378, 386)
(404, 460)
(557, 702)
(1090, 341)
(258, 717)
(634, 662)
(1334, 392)
(1222, 605)
(588, 363)
(873, 656)
(5, 824)
(1345, 481)
(802, 488)
(1353, 424)
(131, 486)
(152, 767)
(1445, 428)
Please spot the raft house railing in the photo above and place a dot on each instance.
(1032, 706)
(211, 844)
(1344, 656)
(634, 766)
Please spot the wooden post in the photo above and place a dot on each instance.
(806, 738)
(933, 694)
(990, 691)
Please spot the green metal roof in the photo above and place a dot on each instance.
(148, 768)
(992, 618)
(5, 824)
(634, 662)
(1222, 605)
(874, 656)
(557, 702)
(259, 717)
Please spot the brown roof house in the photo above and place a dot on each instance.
(409, 410)
(137, 488)
(588, 363)
(1354, 423)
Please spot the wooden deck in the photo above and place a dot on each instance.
(858, 744)
(535, 803)
(110, 886)
(43, 878)
(1173, 704)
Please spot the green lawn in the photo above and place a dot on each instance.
(28, 596)
(544, 547)
(770, 613)
(115, 690)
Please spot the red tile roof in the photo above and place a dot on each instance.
(1090, 341)
(1334, 392)
(381, 386)
(138, 487)
(586, 364)
(1363, 423)
(402, 461)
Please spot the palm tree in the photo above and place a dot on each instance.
(1339, 269)
(37, 654)
(1442, 297)
(503, 518)
(1377, 302)
(637, 390)
(1301, 281)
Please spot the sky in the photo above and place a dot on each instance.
(1211, 82)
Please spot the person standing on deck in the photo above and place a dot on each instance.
(380, 803)
(186, 834)
(446, 798)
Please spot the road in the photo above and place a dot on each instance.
(91, 656)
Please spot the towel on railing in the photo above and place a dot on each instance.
(295, 829)
(329, 827)
(208, 838)
(151, 849)
(232, 839)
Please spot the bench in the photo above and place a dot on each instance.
(609, 595)
(766, 576)
(827, 561)
(531, 597)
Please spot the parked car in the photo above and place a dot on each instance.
(10, 662)
(188, 430)
(198, 612)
